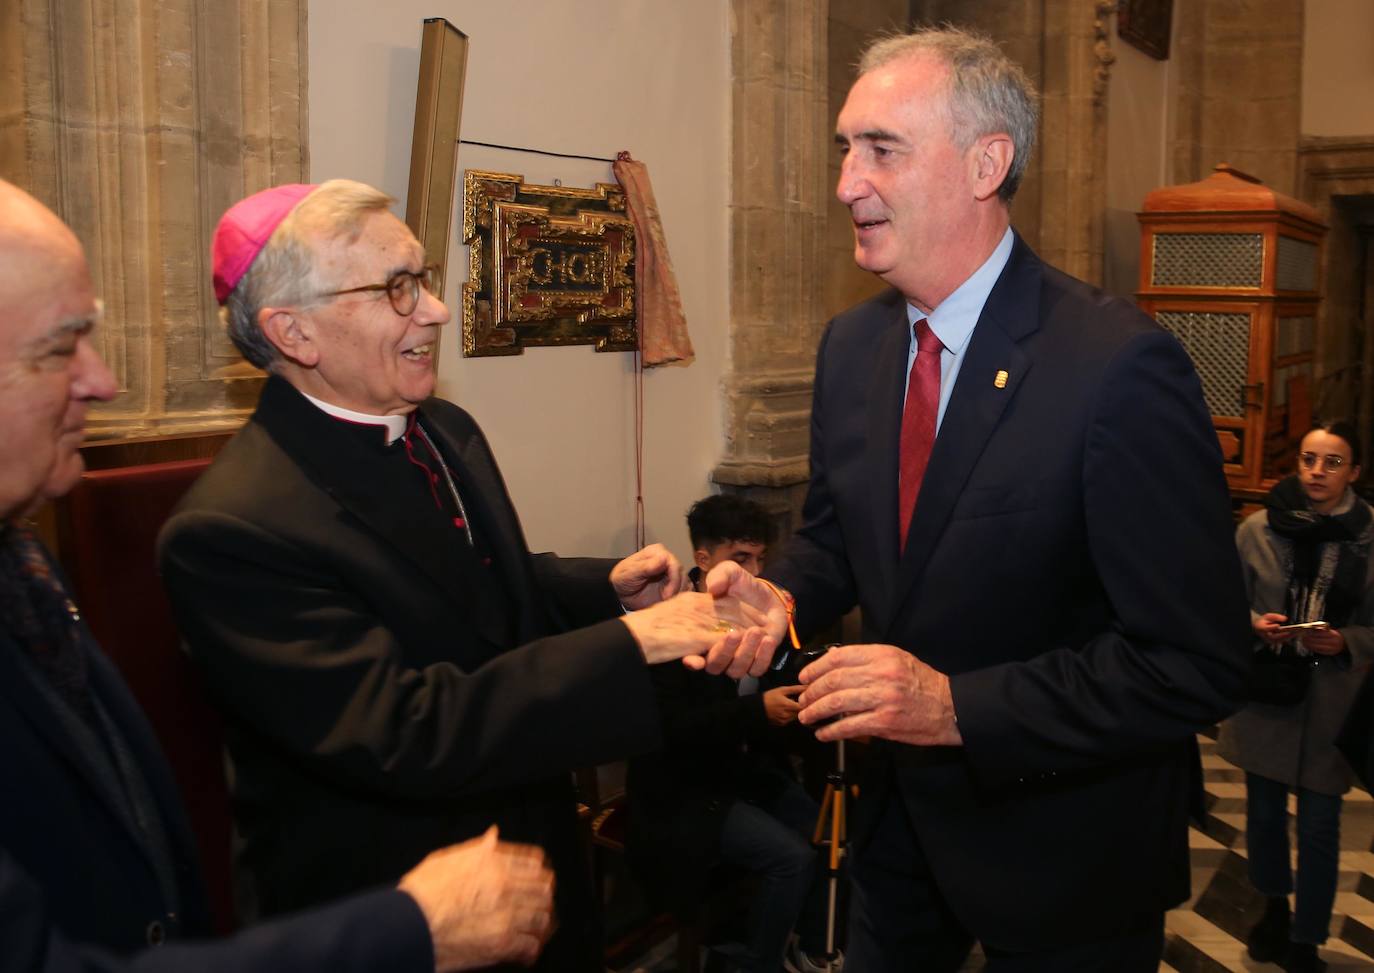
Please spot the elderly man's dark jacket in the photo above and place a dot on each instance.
(1070, 565)
(385, 691)
(79, 885)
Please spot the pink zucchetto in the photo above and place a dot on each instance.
(244, 230)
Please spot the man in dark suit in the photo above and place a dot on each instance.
(1015, 478)
(98, 868)
(396, 670)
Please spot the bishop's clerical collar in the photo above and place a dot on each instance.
(395, 425)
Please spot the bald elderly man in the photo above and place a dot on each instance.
(397, 671)
(98, 869)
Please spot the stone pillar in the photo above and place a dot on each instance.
(777, 215)
(139, 124)
(1237, 94)
(1019, 27)
(1073, 135)
(852, 27)
(1064, 47)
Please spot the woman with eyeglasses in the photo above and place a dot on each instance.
(1307, 571)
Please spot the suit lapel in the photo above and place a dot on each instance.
(975, 407)
(885, 432)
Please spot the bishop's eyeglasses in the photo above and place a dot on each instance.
(402, 288)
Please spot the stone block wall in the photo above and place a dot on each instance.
(853, 26)
(778, 228)
(1237, 94)
(139, 124)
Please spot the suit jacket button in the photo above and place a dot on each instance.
(156, 934)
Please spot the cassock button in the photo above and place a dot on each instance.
(486, 562)
(459, 522)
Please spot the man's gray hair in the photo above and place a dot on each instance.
(988, 92)
(284, 274)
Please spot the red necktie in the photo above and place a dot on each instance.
(918, 422)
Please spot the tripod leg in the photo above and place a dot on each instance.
(836, 829)
(836, 852)
(825, 812)
(832, 901)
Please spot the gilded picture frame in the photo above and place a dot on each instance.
(548, 265)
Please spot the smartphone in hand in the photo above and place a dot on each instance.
(1301, 627)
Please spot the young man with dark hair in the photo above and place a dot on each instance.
(720, 792)
(725, 527)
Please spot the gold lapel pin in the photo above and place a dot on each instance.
(1001, 380)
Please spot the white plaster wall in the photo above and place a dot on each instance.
(590, 77)
(1338, 67)
(1137, 135)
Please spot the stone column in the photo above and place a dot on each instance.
(1073, 135)
(1065, 48)
(140, 124)
(777, 215)
(853, 26)
(1237, 93)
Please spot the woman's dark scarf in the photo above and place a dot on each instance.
(1292, 517)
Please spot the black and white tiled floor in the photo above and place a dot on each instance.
(1207, 933)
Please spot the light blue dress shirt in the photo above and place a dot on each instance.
(954, 319)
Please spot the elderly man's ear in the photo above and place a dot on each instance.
(292, 334)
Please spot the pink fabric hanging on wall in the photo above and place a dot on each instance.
(663, 326)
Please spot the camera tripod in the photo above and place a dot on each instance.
(833, 812)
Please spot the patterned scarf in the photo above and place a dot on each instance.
(1326, 559)
(39, 615)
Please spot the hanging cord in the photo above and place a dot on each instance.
(640, 534)
(639, 437)
(516, 148)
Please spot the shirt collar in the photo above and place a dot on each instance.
(954, 319)
(395, 426)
